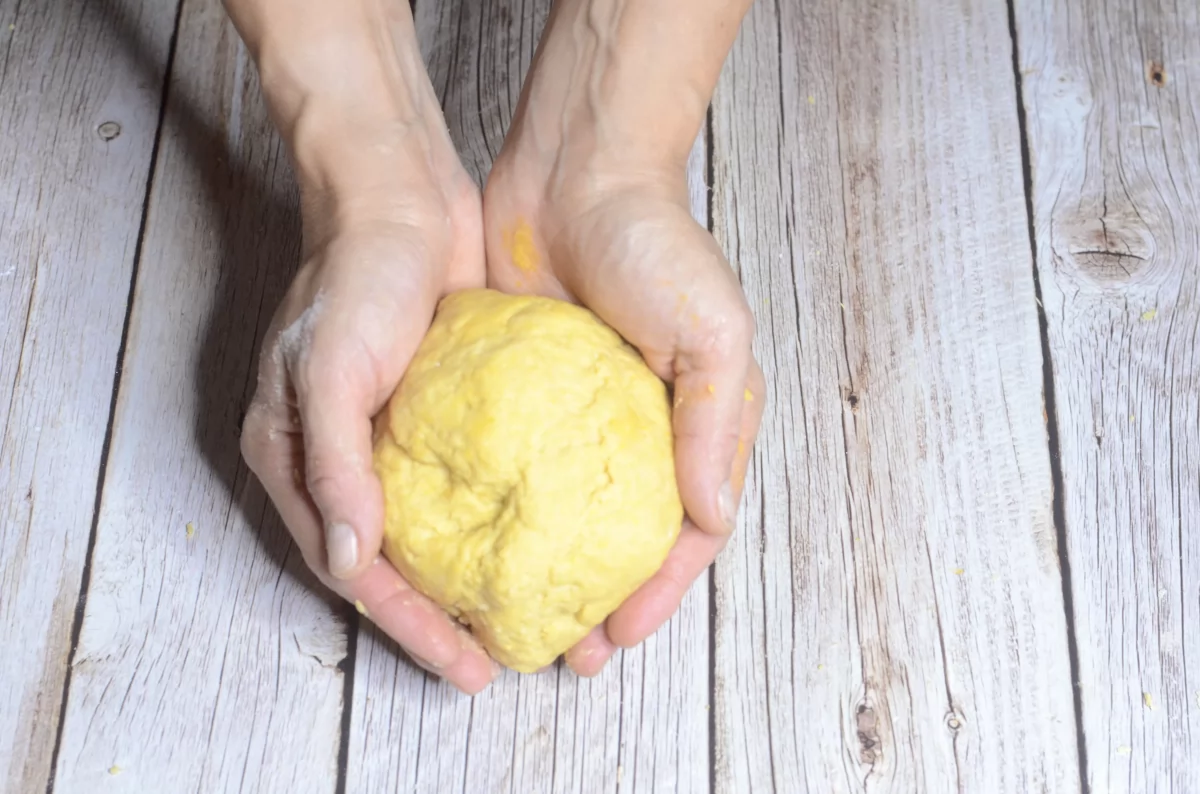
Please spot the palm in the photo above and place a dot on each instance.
(637, 259)
(338, 347)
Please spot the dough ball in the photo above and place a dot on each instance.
(528, 472)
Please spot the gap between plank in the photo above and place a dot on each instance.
(712, 569)
(1052, 437)
(347, 665)
(86, 578)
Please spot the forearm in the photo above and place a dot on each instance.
(630, 77)
(344, 83)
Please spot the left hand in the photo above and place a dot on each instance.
(621, 241)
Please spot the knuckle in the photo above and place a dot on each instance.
(728, 333)
(675, 575)
(255, 435)
(323, 485)
(338, 368)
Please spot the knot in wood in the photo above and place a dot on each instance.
(1156, 75)
(108, 130)
(1110, 250)
(954, 721)
(867, 727)
(851, 397)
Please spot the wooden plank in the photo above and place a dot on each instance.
(77, 125)
(1111, 91)
(890, 614)
(205, 661)
(642, 725)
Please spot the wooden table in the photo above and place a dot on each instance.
(969, 558)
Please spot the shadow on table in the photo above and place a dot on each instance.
(227, 153)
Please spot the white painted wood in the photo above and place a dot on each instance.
(890, 614)
(205, 663)
(642, 725)
(1112, 95)
(70, 208)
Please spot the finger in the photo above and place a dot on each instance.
(345, 353)
(712, 365)
(335, 377)
(657, 600)
(420, 627)
(340, 477)
(752, 414)
(590, 654)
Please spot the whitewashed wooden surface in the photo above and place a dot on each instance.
(1112, 94)
(892, 614)
(204, 663)
(890, 617)
(77, 127)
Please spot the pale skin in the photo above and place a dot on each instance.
(586, 202)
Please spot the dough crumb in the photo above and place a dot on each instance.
(114, 770)
(362, 609)
(521, 248)
(190, 529)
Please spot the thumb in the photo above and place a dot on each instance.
(341, 479)
(335, 413)
(710, 397)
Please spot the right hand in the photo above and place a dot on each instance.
(392, 223)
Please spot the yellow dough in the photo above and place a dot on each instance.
(528, 472)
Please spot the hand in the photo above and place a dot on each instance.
(391, 224)
(588, 202)
(622, 242)
(335, 352)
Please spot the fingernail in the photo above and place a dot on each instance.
(424, 665)
(341, 547)
(497, 670)
(727, 506)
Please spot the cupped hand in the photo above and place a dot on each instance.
(378, 256)
(622, 242)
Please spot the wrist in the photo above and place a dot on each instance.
(622, 86)
(348, 92)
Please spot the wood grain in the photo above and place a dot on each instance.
(205, 662)
(890, 616)
(1112, 94)
(642, 725)
(77, 126)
